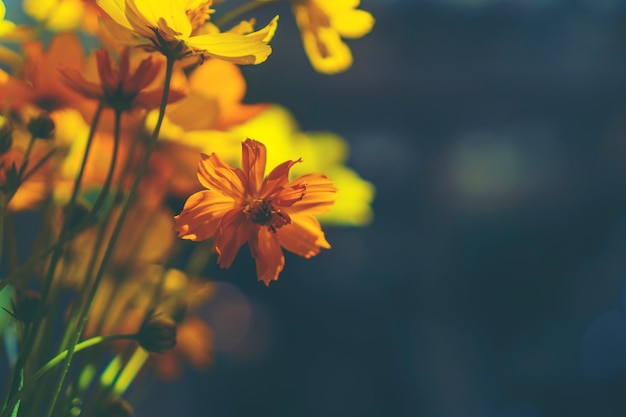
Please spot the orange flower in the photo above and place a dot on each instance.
(119, 88)
(240, 205)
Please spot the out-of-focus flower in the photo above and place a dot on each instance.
(118, 87)
(323, 23)
(40, 82)
(199, 123)
(179, 28)
(242, 205)
(56, 15)
(37, 182)
(194, 342)
(5, 25)
(322, 152)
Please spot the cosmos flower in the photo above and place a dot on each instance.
(180, 28)
(323, 23)
(270, 213)
(119, 88)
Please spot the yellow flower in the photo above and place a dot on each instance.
(323, 23)
(242, 205)
(323, 152)
(179, 28)
(56, 15)
(5, 25)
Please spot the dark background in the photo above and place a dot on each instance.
(491, 280)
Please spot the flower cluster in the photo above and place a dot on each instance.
(113, 159)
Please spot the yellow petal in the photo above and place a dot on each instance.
(352, 23)
(239, 49)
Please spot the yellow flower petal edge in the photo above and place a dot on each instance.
(166, 26)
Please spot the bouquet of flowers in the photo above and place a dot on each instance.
(129, 163)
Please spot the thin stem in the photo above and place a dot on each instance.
(3, 207)
(29, 148)
(113, 239)
(31, 383)
(57, 252)
(238, 11)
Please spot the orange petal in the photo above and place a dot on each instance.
(303, 236)
(318, 198)
(268, 255)
(215, 174)
(202, 214)
(277, 179)
(233, 232)
(254, 155)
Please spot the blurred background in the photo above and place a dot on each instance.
(491, 281)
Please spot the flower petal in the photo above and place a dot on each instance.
(117, 10)
(266, 251)
(215, 174)
(277, 179)
(319, 197)
(202, 214)
(253, 157)
(303, 236)
(234, 231)
(240, 49)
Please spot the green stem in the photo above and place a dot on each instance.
(29, 337)
(113, 239)
(29, 148)
(238, 11)
(31, 383)
(3, 207)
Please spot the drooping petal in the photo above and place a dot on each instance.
(239, 49)
(234, 231)
(353, 23)
(266, 251)
(253, 157)
(304, 236)
(319, 197)
(202, 214)
(277, 179)
(117, 10)
(213, 173)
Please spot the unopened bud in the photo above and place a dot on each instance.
(42, 126)
(157, 333)
(25, 305)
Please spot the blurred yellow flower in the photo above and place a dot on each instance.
(322, 152)
(56, 15)
(5, 25)
(180, 28)
(323, 23)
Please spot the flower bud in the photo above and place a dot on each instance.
(25, 305)
(42, 126)
(157, 333)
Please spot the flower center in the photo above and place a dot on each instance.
(263, 212)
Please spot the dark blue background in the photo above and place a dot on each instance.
(491, 281)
